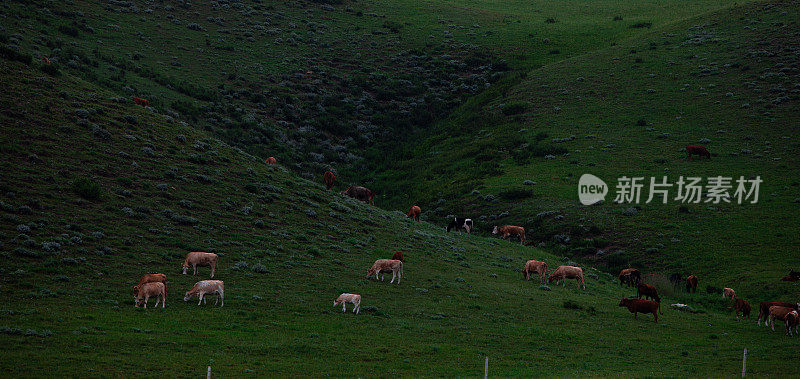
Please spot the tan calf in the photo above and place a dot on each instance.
(148, 278)
(351, 298)
(153, 289)
(567, 272)
(386, 265)
(537, 267)
(777, 312)
(508, 230)
(204, 287)
(195, 259)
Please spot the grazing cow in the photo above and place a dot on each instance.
(675, 278)
(153, 289)
(508, 230)
(204, 287)
(789, 278)
(384, 266)
(537, 267)
(636, 306)
(763, 309)
(351, 298)
(567, 272)
(360, 193)
(45, 60)
(778, 312)
(142, 102)
(647, 290)
(414, 212)
(740, 305)
(792, 319)
(195, 259)
(148, 278)
(630, 276)
(460, 223)
(397, 256)
(728, 293)
(329, 179)
(691, 284)
(698, 150)
(271, 160)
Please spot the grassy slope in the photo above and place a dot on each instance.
(716, 76)
(461, 298)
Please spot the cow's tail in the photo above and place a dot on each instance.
(659, 309)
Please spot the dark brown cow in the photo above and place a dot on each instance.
(630, 276)
(414, 212)
(360, 193)
(329, 179)
(647, 290)
(691, 284)
(792, 319)
(740, 305)
(641, 306)
(142, 102)
(698, 150)
(763, 309)
(398, 256)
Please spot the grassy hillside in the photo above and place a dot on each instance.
(96, 192)
(728, 80)
(317, 85)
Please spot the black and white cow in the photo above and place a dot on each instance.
(459, 222)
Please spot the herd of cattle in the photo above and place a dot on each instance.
(154, 285)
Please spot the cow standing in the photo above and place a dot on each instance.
(780, 313)
(329, 179)
(460, 223)
(384, 266)
(142, 102)
(763, 309)
(538, 267)
(629, 276)
(567, 272)
(728, 293)
(153, 289)
(414, 212)
(643, 289)
(195, 259)
(636, 306)
(271, 160)
(148, 278)
(346, 298)
(691, 284)
(205, 287)
(360, 193)
(740, 305)
(698, 150)
(792, 319)
(508, 230)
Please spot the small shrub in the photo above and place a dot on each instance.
(569, 304)
(514, 108)
(87, 188)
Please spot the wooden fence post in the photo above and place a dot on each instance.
(486, 368)
(744, 362)
(208, 374)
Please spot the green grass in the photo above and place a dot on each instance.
(702, 78)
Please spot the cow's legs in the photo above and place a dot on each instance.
(148, 297)
(394, 273)
(344, 308)
(213, 267)
(357, 307)
(201, 298)
(158, 299)
(195, 269)
(222, 298)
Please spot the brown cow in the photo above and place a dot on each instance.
(567, 272)
(537, 267)
(789, 278)
(740, 305)
(397, 256)
(142, 102)
(630, 276)
(508, 230)
(45, 60)
(329, 179)
(203, 287)
(148, 290)
(386, 265)
(647, 290)
(792, 319)
(691, 284)
(778, 312)
(636, 306)
(728, 293)
(763, 309)
(414, 212)
(149, 278)
(195, 259)
(360, 193)
(698, 150)
(271, 160)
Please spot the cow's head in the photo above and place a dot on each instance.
(494, 231)
(187, 296)
(624, 302)
(336, 302)
(135, 291)
(370, 271)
